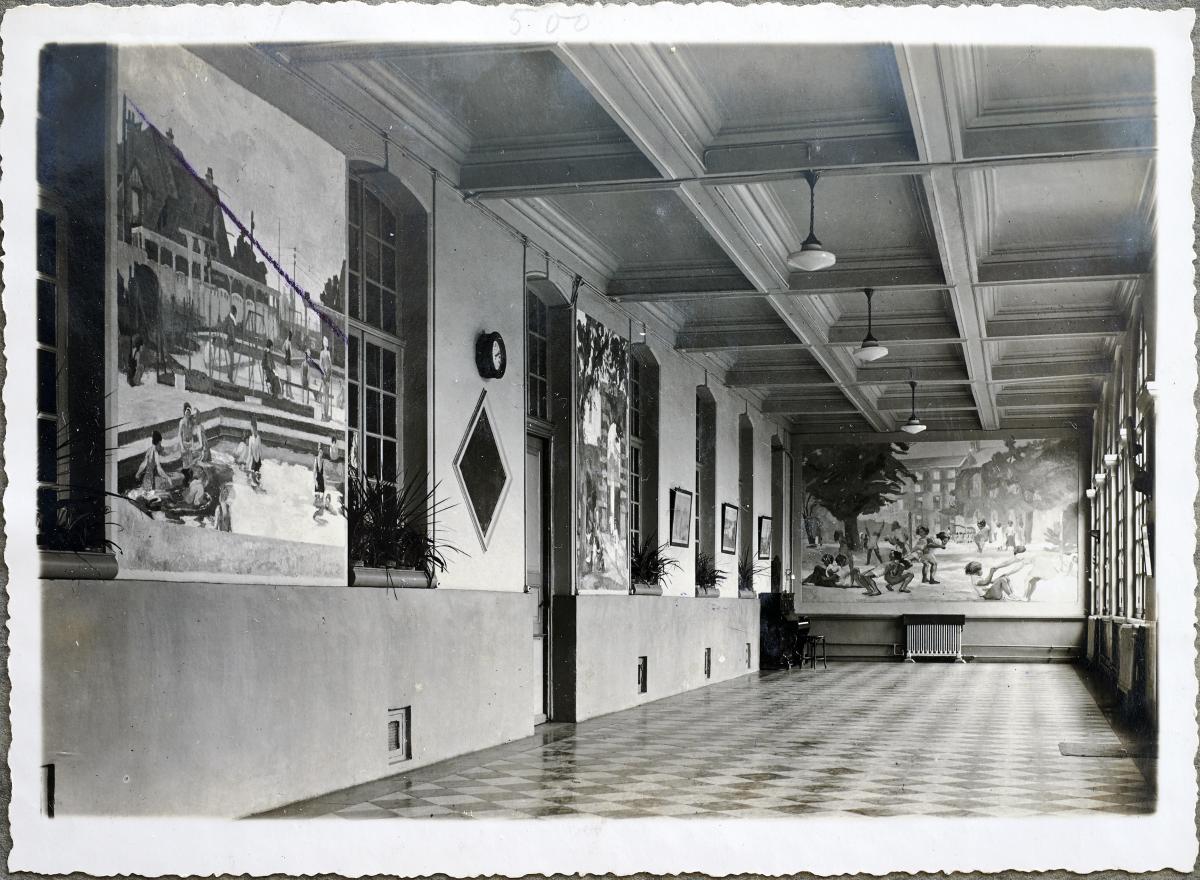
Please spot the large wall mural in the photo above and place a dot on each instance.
(603, 440)
(975, 521)
(230, 396)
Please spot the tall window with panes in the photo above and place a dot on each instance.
(636, 453)
(1119, 477)
(537, 335)
(699, 447)
(1140, 449)
(374, 352)
(51, 360)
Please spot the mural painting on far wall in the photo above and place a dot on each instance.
(230, 395)
(975, 521)
(603, 516)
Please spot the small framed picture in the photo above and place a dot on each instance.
(681, 517)
(729, 528)
(764, 537)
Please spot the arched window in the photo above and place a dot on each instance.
(386, 307)
(643, 446)
(745, 542)
(706, 471)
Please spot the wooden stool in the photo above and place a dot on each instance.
(813, 644)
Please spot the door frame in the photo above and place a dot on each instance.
(543, 433)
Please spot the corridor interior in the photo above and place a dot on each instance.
(857, 739)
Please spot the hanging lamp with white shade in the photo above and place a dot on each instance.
(812, 254)
(914, 425)
(871, 349)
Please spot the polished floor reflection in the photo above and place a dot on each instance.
(858, 739)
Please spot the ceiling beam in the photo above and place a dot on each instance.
(1019, 328)
(823, 405)
(1108, 135)
(605, 167)
(1052, 399)
(1116, 267)
(1055, 369)
(735, 337)
(852, 333)
(878, 149)
(930, 99)
(702, 282)
(877, 278)
(927, 374)
(902, 403)
(792, 377)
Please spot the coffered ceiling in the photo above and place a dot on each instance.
(998, 200)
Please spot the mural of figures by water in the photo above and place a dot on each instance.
(977, 521)
(230, 376)
(603, 518)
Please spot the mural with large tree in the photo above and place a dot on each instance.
(850, 481)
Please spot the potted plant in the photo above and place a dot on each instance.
(389, 541)
(747, 572)
(649, 567)
(708, 576)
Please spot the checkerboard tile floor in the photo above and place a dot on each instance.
(858, 739)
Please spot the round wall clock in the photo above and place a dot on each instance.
(490, 356)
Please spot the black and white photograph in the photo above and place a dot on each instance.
(684, 440)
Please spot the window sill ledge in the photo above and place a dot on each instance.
(708, 592)
(396, 578)
(76, 565)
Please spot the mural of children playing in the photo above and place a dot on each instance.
(823, 573)
(231, 325)
(287, 365)
(896, 573)
(308, 358)
(999, 579)
(866, 580)
(924, 549)
(326, 379)
(270, 382)
(189, 447)
(898, 538)
(871, 542)
(983, 535)
(319, 496)
(133, 366)
(150, 471)
(222, 518)
(253, 460)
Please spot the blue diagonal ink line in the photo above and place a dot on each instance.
(228, 212)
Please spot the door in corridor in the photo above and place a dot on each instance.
(537, 545)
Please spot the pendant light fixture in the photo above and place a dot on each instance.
(812, 254)
(913, 425)
(870, 350)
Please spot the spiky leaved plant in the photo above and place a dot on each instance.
(747, 572)
(651, 563)
(388, 524)
(707, 573)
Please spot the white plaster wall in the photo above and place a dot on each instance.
(478, 287)
(169, 699)
(671, 632)
(677, 451)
